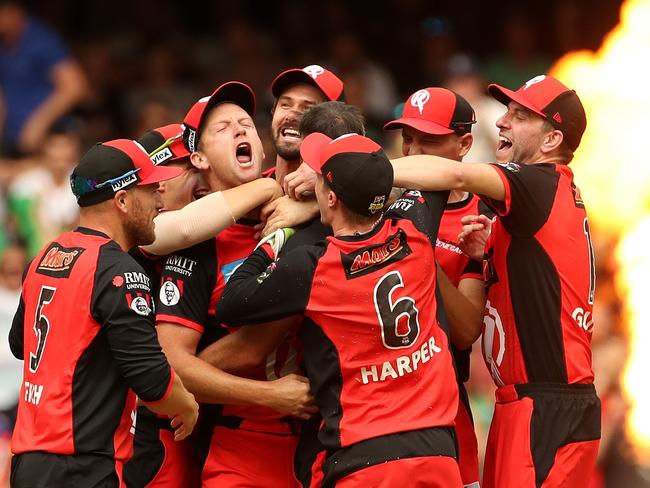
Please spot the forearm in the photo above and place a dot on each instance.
(175, 401)
(244, 198)
(464, 316)
(211, 385)
(194, 223)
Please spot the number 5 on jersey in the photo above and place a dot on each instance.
(41, 327)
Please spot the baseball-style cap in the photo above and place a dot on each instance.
(356, 169)
(321, 78)
(549, 98)
(232, 91)
(164, 144)
(436, 111)
(111, 166)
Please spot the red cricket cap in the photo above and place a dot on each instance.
(323, 79)
(232, 91)
(549, 98)
(356, 169)
(436, 111)
(164, 144)
(111, 166)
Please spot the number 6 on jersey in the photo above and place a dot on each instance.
(389, 313)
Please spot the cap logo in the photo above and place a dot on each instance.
(314, 70)
(377, 204)
(124, 182)
(191, 139)
(557, 117)
(419, 99)
(329, 176)
(161, 156)
(532, 81)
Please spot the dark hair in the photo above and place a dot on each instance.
(332, 119)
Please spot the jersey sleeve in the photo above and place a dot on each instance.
(187, 279)
(263, 290)
(17, 331)
(473, 269)
(122, 305)
(530, 192)
(423, 208)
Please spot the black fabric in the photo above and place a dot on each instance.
(17, 331)
(307, 449)
(566, 113)
(562, 414)
(436, 441)
(148, 450)
(462, 362)
(130, 336)
(463, 116)
(538, 310)
(363, 181)
(47, 470)
(532, 192)
(262, 291)
(423, 208)
(326, 381)
(307, 234)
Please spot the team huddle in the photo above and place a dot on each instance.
(322, 313)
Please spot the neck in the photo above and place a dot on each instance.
(457, 196)
(344, 228)
(283, 167)
(107, 224)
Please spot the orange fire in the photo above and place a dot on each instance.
(612, 169)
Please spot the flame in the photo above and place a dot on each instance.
(612, 168)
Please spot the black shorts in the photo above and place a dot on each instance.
(47, 470)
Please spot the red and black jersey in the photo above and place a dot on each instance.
(192, 281)
(540, 279)
(455, 263)
(85, 329)
(377, 358)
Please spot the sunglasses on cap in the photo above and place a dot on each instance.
(81, 185)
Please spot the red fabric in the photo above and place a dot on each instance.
(467, 446)
(422, 472)
(179, 467)
(240, 458)
(448, 254)
(574, 465)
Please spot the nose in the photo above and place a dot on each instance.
(502, 122)
(414, 150)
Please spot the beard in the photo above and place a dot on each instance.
(285, 151)
(138, 227)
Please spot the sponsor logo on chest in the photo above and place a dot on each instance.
(58, 261)
(180, 264)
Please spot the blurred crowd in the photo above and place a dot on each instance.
(69, 77)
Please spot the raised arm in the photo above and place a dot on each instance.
(429, 173)
(209, 215)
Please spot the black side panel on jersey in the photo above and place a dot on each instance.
(121, 303)
(148, 450)
(436, 441)
(97, 405)
(537, 310)
(532, 193)
(423, 208)
(17, 332)
(323, 368)
(262, 290)
(150, 264)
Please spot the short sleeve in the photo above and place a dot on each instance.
(423, 208)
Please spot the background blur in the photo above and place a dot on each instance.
(74, 72)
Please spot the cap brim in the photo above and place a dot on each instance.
(161, 173)
(311, 149)
(425, 126)
(290, 77)
(505, 96)
(233, 91)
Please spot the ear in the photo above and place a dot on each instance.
(121, 201)
(199, 160)
(552, 141)
(332, 199)
(465, 142)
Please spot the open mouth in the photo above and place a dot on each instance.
(504, 144)
(200, 193)
(290, 133)
(244, 154)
